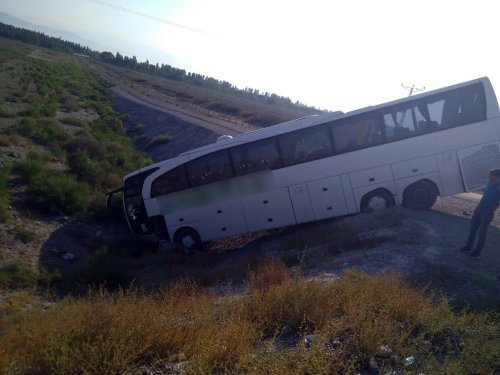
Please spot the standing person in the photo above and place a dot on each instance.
(483, 214)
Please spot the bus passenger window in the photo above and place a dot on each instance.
(209, 168)
(356, 133)
(399, 123)
(255, 157)
(435, 113)
(305, 145)
(169, 182)
(464, 106)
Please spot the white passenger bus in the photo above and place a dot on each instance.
(406, 152)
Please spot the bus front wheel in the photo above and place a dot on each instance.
(420, 195)
(377, 200)
(188, 238)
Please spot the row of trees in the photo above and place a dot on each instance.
(161, 70)
(42, 40)
(170, 72)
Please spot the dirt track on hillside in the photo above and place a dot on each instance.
(154, 100)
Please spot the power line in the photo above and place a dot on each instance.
(150, 17)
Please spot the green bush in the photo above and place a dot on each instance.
(31, 167)
(84, 167)
(27, 126)
(124, 117)
(48, 109)
(47, 131)
(139, 128)
(33, 111)
(158, 140)
(88, 144)
(50, 131)
(24, 234)
(17, 274)
(60, 193)
(30, 98)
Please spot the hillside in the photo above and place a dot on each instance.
(245, 110)
(286, 301)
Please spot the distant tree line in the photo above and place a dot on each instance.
(42, 40)
(161, 70)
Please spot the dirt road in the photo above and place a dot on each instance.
(157, 101)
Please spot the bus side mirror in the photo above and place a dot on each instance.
(110, 195)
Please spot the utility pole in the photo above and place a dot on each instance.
(412, 88)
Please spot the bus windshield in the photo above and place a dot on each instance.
(133, 203)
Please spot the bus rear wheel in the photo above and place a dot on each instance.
(420, 195)
(188, 238)
(377, 200)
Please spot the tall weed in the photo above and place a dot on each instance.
(32, 166)
(291, 326)
(17, 274)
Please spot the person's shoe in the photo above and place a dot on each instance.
(465, 249)
(475, 254)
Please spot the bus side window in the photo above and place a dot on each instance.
(305, 145)
(399, 123)
(255, 157)
(169, 182)
(356, 133)
(465, 106)
(423, 118)
(210, 168)
(435, 109)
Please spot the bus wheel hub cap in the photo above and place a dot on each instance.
(377, 203)
(188, 241)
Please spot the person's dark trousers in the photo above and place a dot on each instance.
(479, 224)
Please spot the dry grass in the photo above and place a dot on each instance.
(254, 333)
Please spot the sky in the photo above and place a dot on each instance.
(335, 55)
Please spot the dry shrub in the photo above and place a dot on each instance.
(348, 319)
(112, 181)
(268, 274)
(109, 333)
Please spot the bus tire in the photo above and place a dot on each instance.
(420, 195)
(188, 239)
(376, 200)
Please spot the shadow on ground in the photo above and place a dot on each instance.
(421, 246)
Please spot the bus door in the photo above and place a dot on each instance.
(133, 203)
(301, 202)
